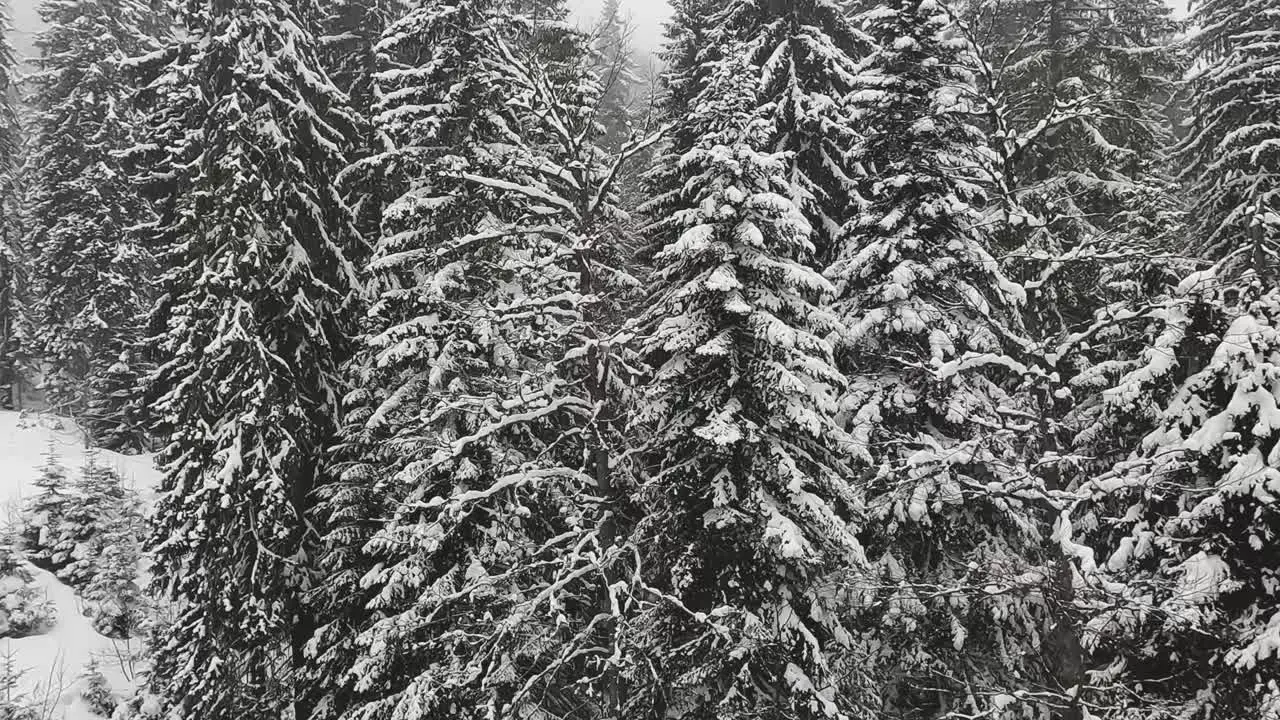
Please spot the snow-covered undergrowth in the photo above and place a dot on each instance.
(52, 663)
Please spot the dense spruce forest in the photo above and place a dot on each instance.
(861, 360)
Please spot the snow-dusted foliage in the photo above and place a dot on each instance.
(96, 693)
(486, 420)
(1231, 155)
(351, 31)
(745, 533)
(91, 278)
(1147, 344)
(891, 401)
(116, 416)
(1075, 94)
(44, 516)
(98, 507)
(88, 532)
(930, 349)
(14, 264)
(113, 598)
(926, 308)
(802, 56)
(687, 55)
(1192, 521)
(258, 288)
(24, 610)
(349, 53)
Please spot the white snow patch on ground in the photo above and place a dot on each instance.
(53, 662)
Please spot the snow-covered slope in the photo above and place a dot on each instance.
(53, 661)
(23, 441)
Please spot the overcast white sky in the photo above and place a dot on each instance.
(648, 16)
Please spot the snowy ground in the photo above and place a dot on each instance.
(53, 661)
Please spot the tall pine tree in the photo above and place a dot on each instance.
(744, 530)
(1190, 520)
(1186, 522)
(1083, 205)
(352, 29)
(484, 432)
(11, 246)
(802, 56)
(91, 279)
(1231, 156)
(258, 312)
(961, 611)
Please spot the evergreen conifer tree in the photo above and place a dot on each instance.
(115, 415)
(11, 246)
(258, 310)
(113, 598)
(686, 55)
(803, 55)
(617, 76)
(95, 692)
(1083, 207)
(1190, 519)
(349, 51)
(24, 608)
(955, 613)
(14, 703)
(99, 506)
(744, 530)
(1183, 522)
(352, 29)
(486, 425)
(1076, 93)
(90, 277)
(1084, 216)
(1229, 157)
(44, 515)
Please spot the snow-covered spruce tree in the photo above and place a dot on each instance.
(1231, 156)
(802, 55)
(961, 610)
(745, 505)
(687, 56)
(95, 691)
(351, 30)
(624, 112)
(113, 600)
(485, 427)
(426, 60)
(258, 310)
(99, 506)
(11, 247)
(1083, 214)
(1186, 521)
(1076, 93)
(90, 278)
(116, 416)
(1083, 207)
(24, 608)
(44, 515)
(1192, 517)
